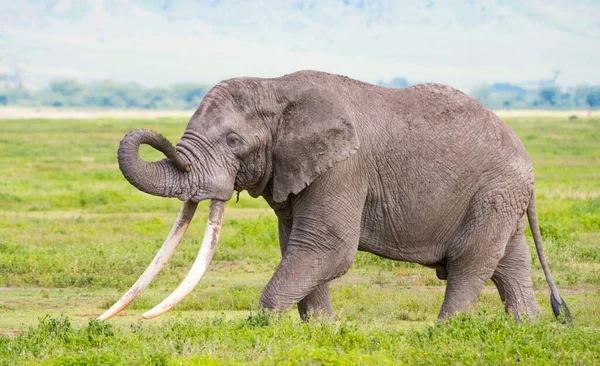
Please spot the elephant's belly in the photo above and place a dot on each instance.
(403, 237)
(415, 202)
(422, 253)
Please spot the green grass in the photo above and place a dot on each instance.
(275, 339)
(74, 235)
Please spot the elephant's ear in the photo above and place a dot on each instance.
(315, 132)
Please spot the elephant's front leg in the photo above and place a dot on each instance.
(321, 246)
(317, 302)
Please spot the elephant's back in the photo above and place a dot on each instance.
(445, 117)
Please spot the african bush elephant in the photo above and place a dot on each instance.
(424, 174)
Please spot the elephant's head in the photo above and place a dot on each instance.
(271, 137)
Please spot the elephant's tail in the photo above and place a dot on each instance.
(559, 306)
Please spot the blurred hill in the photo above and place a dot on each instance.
(462, 43)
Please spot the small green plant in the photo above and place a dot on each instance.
(96, 331)
(259, 319)
(55, 327)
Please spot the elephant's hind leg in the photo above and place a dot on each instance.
(513, 279)
(464, 287)
(474, 256)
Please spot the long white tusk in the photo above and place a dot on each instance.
(207, 250)
(162, 257)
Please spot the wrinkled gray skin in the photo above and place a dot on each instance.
(424, 174)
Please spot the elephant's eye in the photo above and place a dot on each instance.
(233, 140)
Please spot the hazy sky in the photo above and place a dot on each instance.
(460, 43)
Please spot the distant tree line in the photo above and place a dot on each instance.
(107, 94)
(508, 96)
(112, 94)
(545, 95)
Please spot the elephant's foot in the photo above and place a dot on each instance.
(513, 280)
(461, 294)
(317, 304)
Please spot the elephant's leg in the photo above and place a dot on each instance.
(313, 257)
(473, 259)
(513, 279)
(321, 246)
(463, 288)
(316, 303)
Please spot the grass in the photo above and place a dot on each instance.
(265, 338)
(74, 235)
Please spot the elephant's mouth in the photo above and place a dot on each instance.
(207, 250)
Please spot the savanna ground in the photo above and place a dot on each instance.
(74, 235)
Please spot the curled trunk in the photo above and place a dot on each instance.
(161, 178)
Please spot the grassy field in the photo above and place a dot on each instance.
(74, 235)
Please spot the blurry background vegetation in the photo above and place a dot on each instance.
(105, 94)
(540, 94)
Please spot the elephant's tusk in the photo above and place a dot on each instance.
(162, 257)
(207, 250)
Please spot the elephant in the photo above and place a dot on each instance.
(424, 174)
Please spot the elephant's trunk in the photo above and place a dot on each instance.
(164, 178)
(157, 178)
